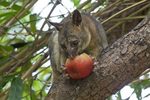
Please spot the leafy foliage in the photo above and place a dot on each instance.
(76, 2)
(16, 89)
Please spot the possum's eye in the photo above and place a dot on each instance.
(74, 43)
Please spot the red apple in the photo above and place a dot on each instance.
(79, 67)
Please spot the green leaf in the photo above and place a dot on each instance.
(119, 97)
(137, 89)
(139, 85)
(16, 90)
(5, 80)
(44, 73)
(26, 91)
(145, 83)
(33, 19)
(4, 59)
(109, 98)
(76, 2)
(5, 50)
(33, 96)
(7, 4)
(37, 85)
(6, 16)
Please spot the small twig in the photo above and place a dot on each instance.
(63, 6)
(54, 6)
(134, 13)
(127, 8)
(22, 12)
(127, 18)
(28, 31)
(108, 9)
(25, 55)
(35, 66)
(41, 71)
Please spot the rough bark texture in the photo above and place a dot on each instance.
(120, 64)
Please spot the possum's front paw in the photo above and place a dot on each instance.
(95, 61)
(61, 69)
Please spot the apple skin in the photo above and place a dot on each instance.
(79, 67)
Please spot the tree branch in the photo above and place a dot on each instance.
(120, 63)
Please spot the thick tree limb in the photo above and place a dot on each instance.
(120, 64)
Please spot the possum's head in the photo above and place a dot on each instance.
(73, 36)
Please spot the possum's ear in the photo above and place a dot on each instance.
(76, 18)
(58, 26)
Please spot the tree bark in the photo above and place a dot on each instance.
(120, 64)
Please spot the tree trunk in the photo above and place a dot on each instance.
(120, 64)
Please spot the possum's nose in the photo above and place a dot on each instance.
(72, 52)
